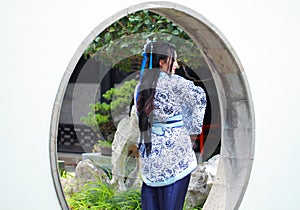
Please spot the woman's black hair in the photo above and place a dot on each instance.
(160, 51)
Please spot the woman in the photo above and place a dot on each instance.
(170, 109)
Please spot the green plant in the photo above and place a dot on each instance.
(66, 175)
(100, 116)
(127, 36)
(100, 195)
(102, 143)
(186, 207)
(138, 22)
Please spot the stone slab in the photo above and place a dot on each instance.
(239, 143)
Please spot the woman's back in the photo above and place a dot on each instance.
(175, 108)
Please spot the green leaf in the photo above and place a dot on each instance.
(131, 18)
(111, 29)
(97, 39)
(175, 32)
(144, 22)
(147, 21)
(170, 27)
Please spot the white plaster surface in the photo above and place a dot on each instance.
(38, 39)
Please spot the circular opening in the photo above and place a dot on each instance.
(234, 106)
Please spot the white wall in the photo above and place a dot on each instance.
(39, 38)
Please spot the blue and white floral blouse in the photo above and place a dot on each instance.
(179, 108)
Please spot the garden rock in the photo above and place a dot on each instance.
(126, 136)
(68, 184)
(86, 172)
(201, 182)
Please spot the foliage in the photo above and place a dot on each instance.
(102, 143)
(139, 22)
(186, 207)
(120, 97)
(66, 175)
(121, 43)
(99, 195)
(100, 117)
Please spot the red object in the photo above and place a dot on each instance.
(201, 136)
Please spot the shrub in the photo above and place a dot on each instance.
(99, 195)
(100, 117)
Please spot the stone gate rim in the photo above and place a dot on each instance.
(237, 112)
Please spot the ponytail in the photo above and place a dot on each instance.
(154, 53)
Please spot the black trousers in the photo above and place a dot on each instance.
(170, 197)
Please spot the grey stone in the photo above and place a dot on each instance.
(223, 61)
(234, 85)
(126, 136)
(238, 115)
(201, 182)
(86, 172)
(233, 171)
(221, 197)
(238, 143)
(97, 159)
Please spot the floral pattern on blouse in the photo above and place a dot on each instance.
(172, 156)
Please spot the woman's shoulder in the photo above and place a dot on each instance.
(179, 80)
(187, 84)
